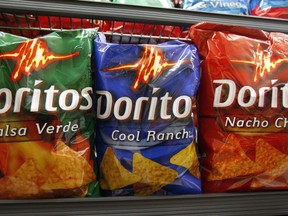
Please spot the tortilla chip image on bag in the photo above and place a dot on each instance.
(47, 123)
(145, 132)
(242, 110)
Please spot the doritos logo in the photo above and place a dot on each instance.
(227, 93)
(48, 99)
(151, 64)
(32, 55)
(263, 62)
(125, 108)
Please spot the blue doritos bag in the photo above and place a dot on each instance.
(269, 8)
(218, 6)
(145, 130)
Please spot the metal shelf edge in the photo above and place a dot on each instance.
(260, 203)
(121, 12)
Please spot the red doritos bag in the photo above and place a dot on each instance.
(243, 101)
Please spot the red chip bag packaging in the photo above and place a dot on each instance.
(243, 101)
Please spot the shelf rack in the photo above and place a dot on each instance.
(258, 203)
(121, 12)
(252, 204)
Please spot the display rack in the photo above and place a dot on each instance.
(252, 204)
(130, 13)
(258, 203)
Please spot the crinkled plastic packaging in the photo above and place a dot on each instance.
(145, 131)
(242, 113)
(218, 6)
(141, 28)
(153, 3)
(47, 124)
(269, 8)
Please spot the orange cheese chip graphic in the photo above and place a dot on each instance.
(231, 161)
(154, 175)
(113, 175)
(43, 170)
(30, 150)
(187, 158)
(24, 183)
(30, 171)
(273, 161)
(71, 170)
(268, 156)
(12, 187)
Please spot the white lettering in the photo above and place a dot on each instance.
(246, 123)
(241, 96)
(64, 98)
(51, 98)
(126, 104)
(188, 107)
(8, 100)
(50, 129)
(247, 96)
(125, 108)
(108, 105)
(86, 94)
(218, 93)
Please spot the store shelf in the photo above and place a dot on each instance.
(123, 12)
(261, 203)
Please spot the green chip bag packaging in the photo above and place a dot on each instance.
(46, 119)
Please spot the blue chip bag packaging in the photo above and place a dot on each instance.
(240, 7)
(145, 126)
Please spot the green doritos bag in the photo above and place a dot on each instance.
(46, 120)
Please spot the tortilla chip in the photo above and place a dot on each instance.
(273, 161)
(187, 158)
(267, 156)
(195, 170)
(231, 161)
(113, 175)
(12, 187)
(154, 175)
(71, 170)
(30, 171)
(268, 179)
(24, 183)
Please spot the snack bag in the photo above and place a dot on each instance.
(152, 3)
(144, 29)
(269, 8)
(145, 132)
(218, 6)
(47, 124)
(243, 115)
